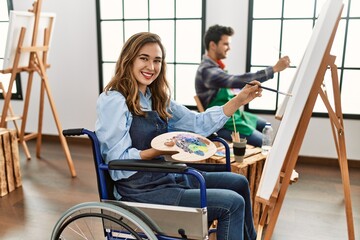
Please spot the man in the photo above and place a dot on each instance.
(214, 85)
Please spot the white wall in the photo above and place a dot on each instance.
(73, 75)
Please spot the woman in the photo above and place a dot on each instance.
(135, 107)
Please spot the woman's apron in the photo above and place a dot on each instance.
(149, 187)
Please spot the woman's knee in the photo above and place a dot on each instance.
(239, 183)
(227, 200)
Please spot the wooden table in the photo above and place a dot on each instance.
(251, 168)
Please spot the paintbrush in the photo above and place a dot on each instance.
(235, 135)
(270, 89)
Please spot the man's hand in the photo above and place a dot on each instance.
(283, 63)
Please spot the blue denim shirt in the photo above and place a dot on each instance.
(114, 121)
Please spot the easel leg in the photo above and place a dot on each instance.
(337, 127)
(346, 184)
(22, 138)
(26, 150)
(343, 162)
(262, 221)
(339, 140)
(41, 116)
(56, 118)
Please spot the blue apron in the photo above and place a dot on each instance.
(148, 187)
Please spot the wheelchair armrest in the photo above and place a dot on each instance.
(161, 166)
(148, 166)
(73, 132)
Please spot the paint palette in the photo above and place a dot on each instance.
(191, 147)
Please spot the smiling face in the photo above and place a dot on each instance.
(147, 65)
(222, 47)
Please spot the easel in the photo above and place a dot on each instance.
(37, 63)
(272, 207)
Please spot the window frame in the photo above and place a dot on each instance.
(18, 95)
(346, 18)
(175, 63)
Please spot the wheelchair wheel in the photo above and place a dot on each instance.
(98, 220)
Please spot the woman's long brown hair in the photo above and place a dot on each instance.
(125, 82)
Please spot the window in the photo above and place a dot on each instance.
(179, 26)
(278, 28)
(5, 7)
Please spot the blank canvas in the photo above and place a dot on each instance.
(17, 20)
(302, 84)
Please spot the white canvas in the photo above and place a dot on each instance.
(303, 81)
(17, 20)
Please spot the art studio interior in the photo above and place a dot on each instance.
(68, 112)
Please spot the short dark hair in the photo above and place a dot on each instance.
(214, 33)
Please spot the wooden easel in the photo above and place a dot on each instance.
(37, 63)
(272, 207)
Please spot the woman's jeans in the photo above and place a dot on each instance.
(228, 201)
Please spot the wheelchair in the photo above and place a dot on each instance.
(112, 219)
